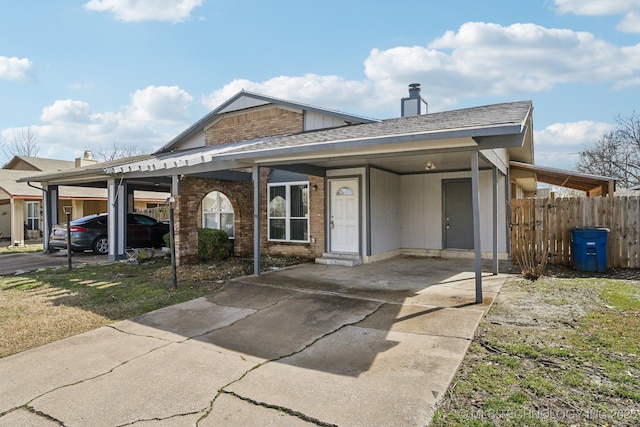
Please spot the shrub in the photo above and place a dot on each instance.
(532, 258)
(167, 239)
(212, 244)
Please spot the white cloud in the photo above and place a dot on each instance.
(154, 116)
(571, 134)
(16, 68)
(629, 8)
(311, 88)
(160, 103)
(173, 11)
(596, 7)
(477, 60)
(66, 111)
(630, 23)
(559, 160)
(558, 145)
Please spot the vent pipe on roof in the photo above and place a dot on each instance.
(414, 105)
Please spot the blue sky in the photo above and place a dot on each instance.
(88, 74)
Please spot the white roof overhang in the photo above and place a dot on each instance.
(322, 153)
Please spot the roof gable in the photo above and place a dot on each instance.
(244, 100)
(38, 164)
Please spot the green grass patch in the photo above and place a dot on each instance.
(538, 385)
(45, 306)
(116, 290)
(20, 249)
(566, 352)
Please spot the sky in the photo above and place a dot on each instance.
(92, 74)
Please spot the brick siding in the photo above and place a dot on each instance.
(188, 218)
(254, 124)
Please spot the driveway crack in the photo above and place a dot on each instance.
(186, 414)
(91, 378)
(287, 411)
(143, 335)
(223, 389)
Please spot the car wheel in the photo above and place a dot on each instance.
(101, 245)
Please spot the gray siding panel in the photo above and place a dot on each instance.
(385, 211)
(421, 210)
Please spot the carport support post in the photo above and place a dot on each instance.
(475, 196)
(50, 213)
(255, 171)
(172, 240)
(495, 221)
(67, 213)
(117, 218)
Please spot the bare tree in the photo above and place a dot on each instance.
(119, 151)
(616, 154)
(23, 143)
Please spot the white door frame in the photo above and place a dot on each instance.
(348, 242)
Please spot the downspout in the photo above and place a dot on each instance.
(37, 188)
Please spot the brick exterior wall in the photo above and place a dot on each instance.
(188, 215)
(188, 218)
(254, 124)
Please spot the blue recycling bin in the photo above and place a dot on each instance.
(589, 248)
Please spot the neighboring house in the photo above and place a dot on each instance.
(21, 207)
(340, 188)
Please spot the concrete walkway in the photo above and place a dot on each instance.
(375, 345)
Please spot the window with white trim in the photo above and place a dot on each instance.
(288, 211)
(33, 215)
(217, 212)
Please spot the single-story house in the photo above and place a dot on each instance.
(21, 205)
(289, 178)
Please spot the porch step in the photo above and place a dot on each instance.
(346, 260)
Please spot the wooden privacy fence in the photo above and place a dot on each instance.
(161, 213)
(541, 227)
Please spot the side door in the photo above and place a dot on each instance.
(458, 214)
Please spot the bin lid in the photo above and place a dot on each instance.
(589, 229)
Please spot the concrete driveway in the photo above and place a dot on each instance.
(375, 345)
(22, 262)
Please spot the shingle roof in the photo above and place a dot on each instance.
(9, 185)
(469, 122)
(45, 165)
(490, 120)
(477, 118)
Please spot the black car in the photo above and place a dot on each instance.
(90, 233)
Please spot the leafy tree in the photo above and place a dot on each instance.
(616, 154)
(23, 143)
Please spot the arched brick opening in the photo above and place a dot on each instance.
(189, 215)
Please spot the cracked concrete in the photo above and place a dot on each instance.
(310, 345)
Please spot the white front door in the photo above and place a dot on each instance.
(344, 225)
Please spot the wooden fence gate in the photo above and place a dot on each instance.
(541, 227)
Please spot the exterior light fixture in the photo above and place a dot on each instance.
(429, 165)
